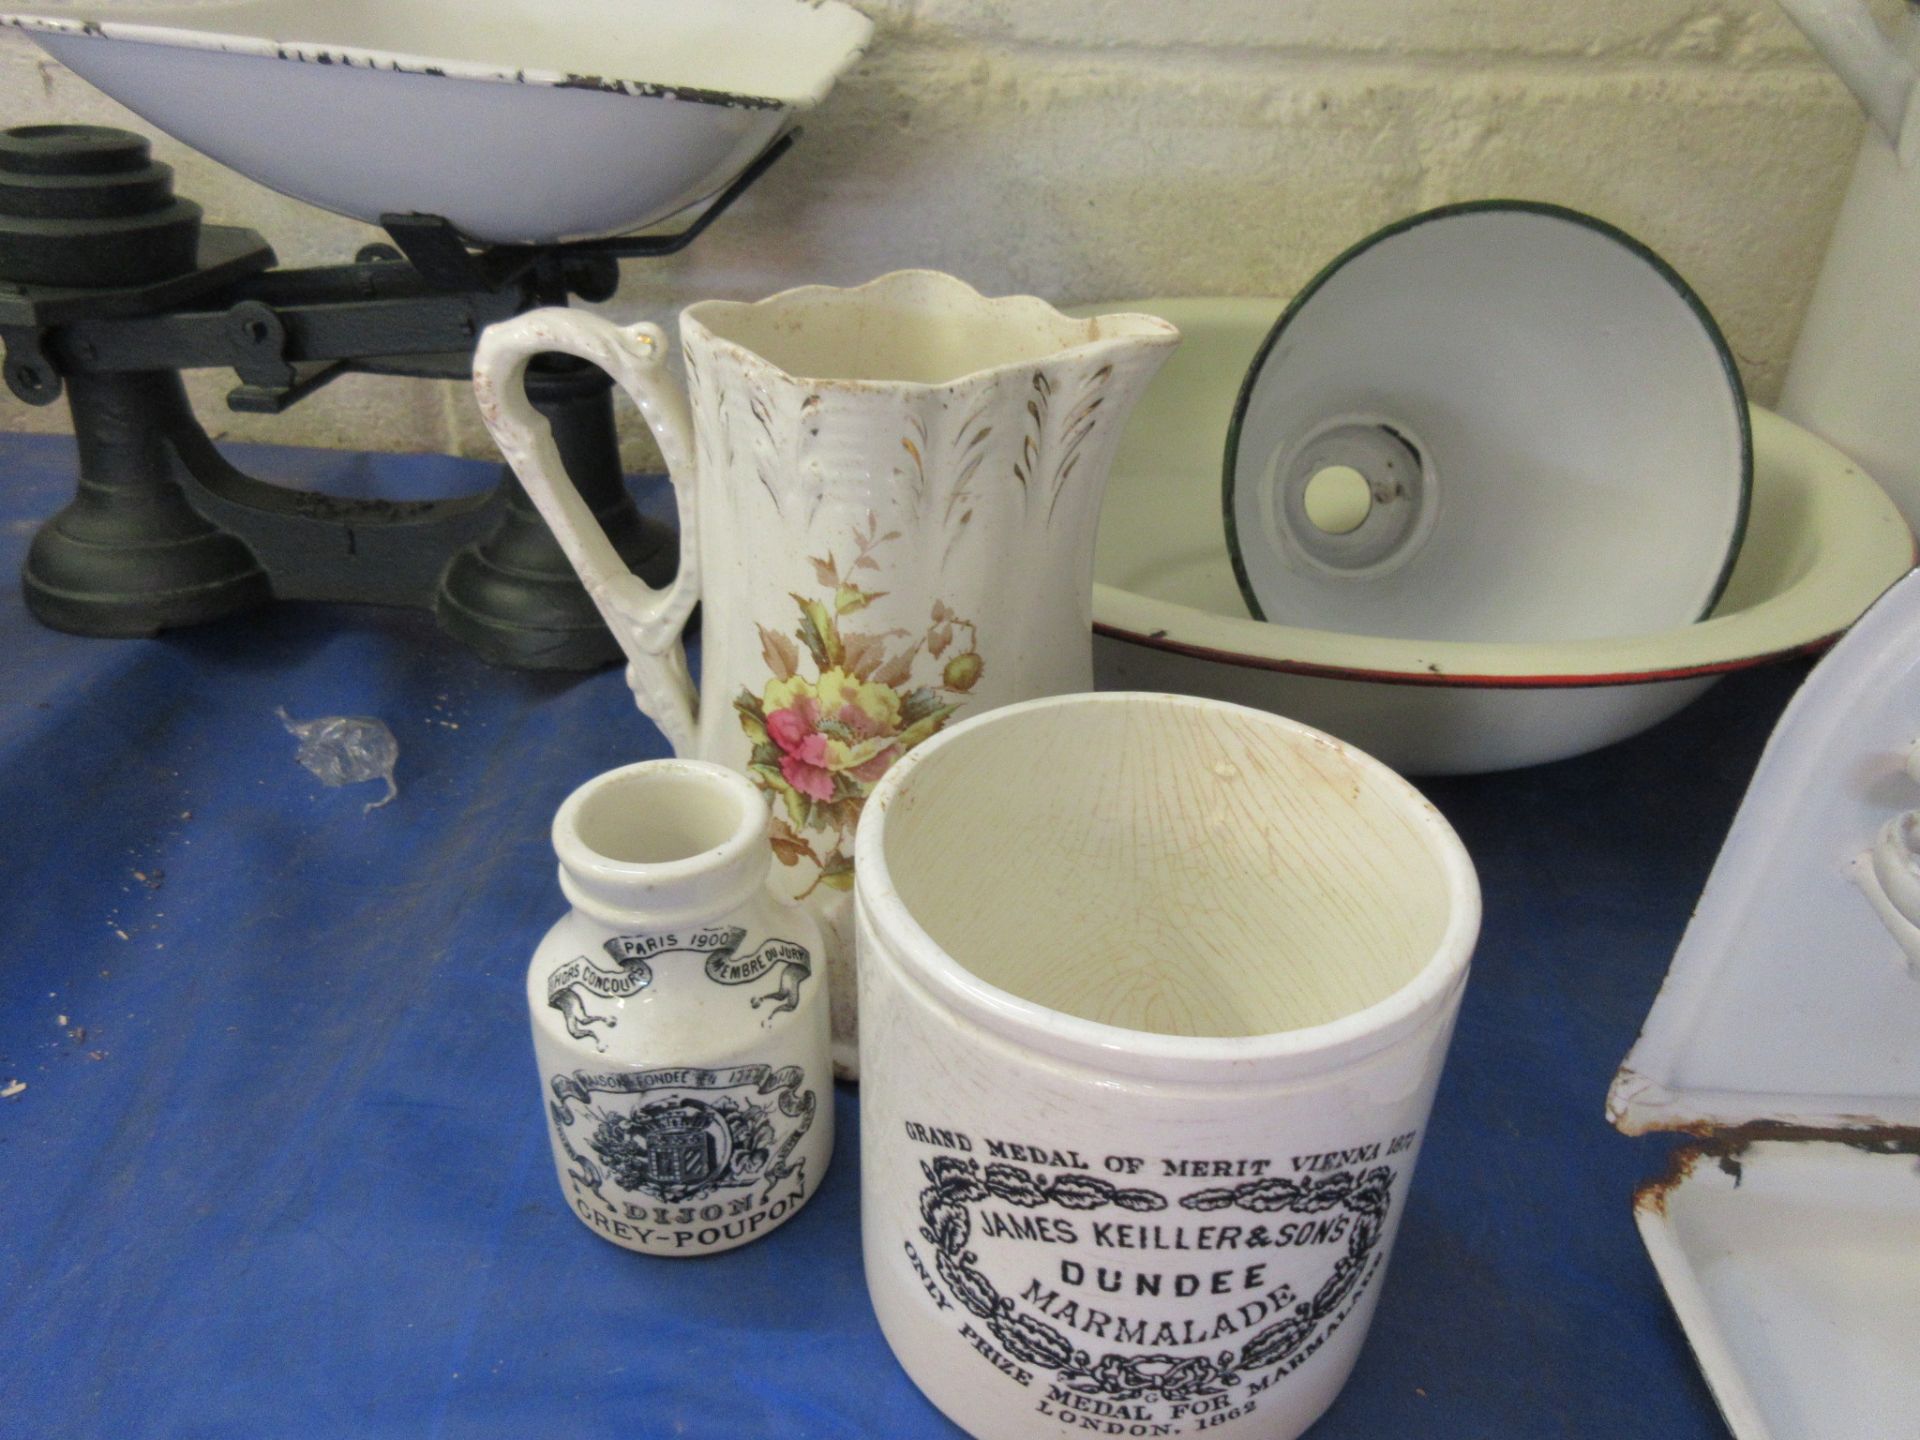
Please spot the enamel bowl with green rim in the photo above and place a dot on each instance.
(1500, 420)
(1822, 542)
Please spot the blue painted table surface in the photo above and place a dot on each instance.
(280, 1167)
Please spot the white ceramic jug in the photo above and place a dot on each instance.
(1854, 377)
(887, 496)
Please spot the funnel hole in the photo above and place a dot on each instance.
(1338, 500)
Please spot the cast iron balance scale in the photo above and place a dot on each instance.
(110, 285)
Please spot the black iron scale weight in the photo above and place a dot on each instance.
(110, 285)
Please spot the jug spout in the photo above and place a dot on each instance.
(1872, 65)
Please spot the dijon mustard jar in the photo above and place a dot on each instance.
(679, 1019)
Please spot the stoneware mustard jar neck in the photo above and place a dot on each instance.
(662, 840)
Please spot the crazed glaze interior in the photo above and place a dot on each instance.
(657, 817)
(918, 327)
(1167, 868)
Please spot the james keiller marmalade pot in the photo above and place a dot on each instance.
(1155, 993)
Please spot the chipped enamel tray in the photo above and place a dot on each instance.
(519, 123)
(1822, 542)
(1795, 1268)
(1787, 1037)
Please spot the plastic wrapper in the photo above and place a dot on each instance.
(346, 750)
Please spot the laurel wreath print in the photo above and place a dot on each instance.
(953, 1184)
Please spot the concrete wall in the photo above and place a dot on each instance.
(1092, 149)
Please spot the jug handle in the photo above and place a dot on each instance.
(646, 622)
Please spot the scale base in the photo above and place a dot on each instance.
(164, 533)
(129, 556)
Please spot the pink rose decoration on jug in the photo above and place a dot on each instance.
(811, 756)
(821, 744)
